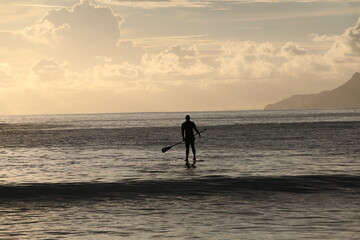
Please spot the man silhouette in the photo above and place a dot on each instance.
(187, 131)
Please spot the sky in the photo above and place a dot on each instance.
(110, 56)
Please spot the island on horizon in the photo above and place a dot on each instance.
(344, 96)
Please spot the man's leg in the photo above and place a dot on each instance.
(194, 151)
(187, 146)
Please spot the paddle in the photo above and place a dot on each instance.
(165, 149)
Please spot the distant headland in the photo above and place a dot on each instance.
(345, 96)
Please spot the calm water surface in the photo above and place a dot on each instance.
(261, 175)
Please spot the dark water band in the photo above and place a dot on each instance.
(212, 185)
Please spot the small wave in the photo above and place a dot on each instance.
(214, 185)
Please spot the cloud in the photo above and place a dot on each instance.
(248, 48)
(348, 44)
(6, 69)
(128, 52)
(45, 32)
(323, 38)
(14, 40)
(288, 65)
(9, 78)
(89, 24)
(340, 61)
(47, 70)
(291, 49)
(7, 73)
(149, 4)
(307, 69)
(160, 42)
(83, 52)
(80, 34)
(291, 63)
(87, 37)
(250, 28)
(175, 61)
(246, 60)
(117, 72)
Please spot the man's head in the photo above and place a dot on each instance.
(187, 117)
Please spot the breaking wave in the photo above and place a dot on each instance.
(212, 185)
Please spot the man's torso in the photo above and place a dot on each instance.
(188, 127)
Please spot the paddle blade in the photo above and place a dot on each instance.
(165, 149)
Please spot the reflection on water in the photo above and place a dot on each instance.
(261, 175)
(252, 215)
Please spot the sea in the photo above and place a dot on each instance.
(290, 174)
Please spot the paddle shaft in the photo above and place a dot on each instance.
(184, 140)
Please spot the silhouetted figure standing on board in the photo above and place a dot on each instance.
(187, 131)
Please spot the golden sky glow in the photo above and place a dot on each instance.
(129, 56)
